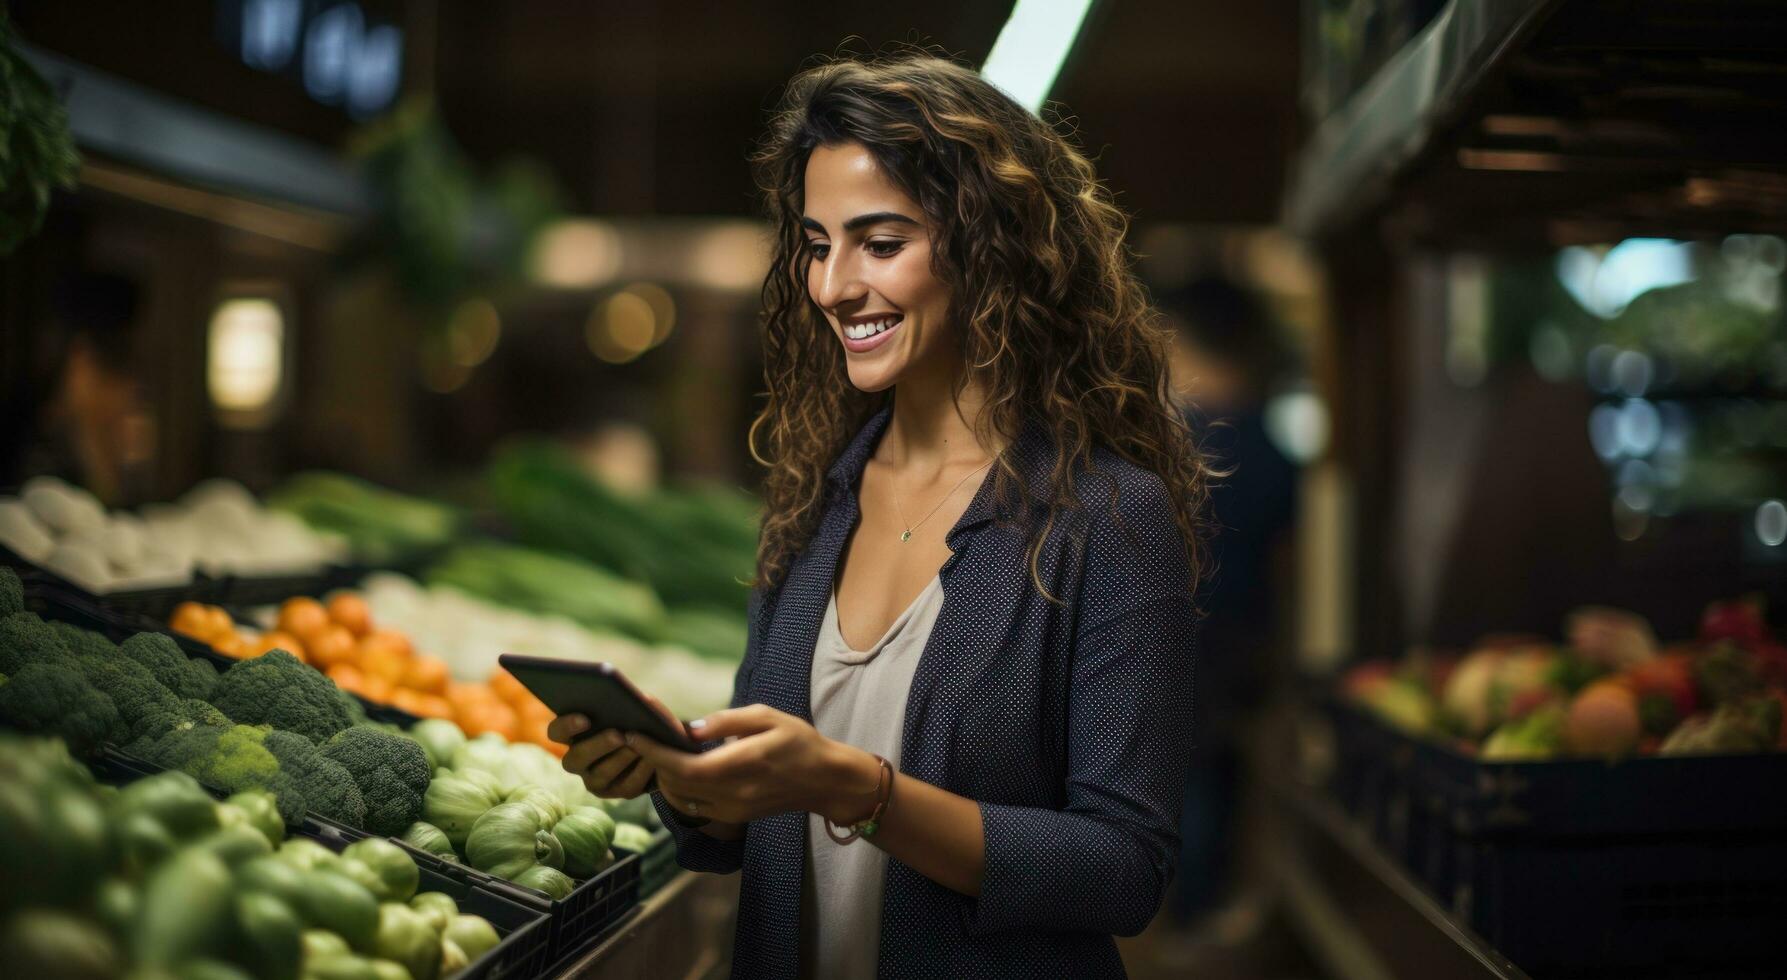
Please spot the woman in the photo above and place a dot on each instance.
(950, 307)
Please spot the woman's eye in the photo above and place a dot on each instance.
(817, 249)
(883, 249)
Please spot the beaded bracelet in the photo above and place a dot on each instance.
(866, 828)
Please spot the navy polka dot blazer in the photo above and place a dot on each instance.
(1068, 723)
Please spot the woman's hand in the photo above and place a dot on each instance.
(603, 761)
(772, 763)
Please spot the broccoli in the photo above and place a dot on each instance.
(228, 757)
(184, 676)
(392, 772)
(201, 678)
(277, 689)
(54, 698)
(328, 788)
(84, 643)
(206, 713)
(12, 593)
(144, 706)
(27, 639)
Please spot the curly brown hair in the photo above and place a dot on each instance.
(1052, 323)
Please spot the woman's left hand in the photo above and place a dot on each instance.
(773, 763)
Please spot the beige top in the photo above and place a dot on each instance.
(858, 698)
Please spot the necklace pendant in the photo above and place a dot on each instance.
(906, 535)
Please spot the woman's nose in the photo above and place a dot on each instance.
(837, 284)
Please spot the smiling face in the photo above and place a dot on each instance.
(869, 270)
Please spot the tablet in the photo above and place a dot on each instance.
(600, 692)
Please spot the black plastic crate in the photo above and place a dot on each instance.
(579, 920)
(266, 590)
(156, 602)
(520, 955)
(1646, 867)
(523, 952)
(657, 865)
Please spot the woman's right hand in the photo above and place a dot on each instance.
(607, 767)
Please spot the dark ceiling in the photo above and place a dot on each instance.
(650, 106)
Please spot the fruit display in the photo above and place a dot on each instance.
(157, 878)
(1608, 690)
(217, 528)
(338, 637)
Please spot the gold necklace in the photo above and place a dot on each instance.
(906, 535)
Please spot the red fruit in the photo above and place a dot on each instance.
(1740, 620)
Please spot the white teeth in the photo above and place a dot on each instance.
(863, 331)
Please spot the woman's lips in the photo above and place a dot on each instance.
(870, 343)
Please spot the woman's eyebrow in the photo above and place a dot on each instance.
(874, 218)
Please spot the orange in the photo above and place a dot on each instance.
(218, 624)
(189, 618)
(463, 696)
(384, 643)
(279, 640)
(427, 674)
(351, 611)
(348, 678)
(489, 718)
(400, 641)
(421, 705)
(383, 662)
(378, 689)
(303, 617)
(233, 645)
(330, 646)
(512, 691)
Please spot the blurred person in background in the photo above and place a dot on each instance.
(1226, 356)
(973, 456)
(90, 419)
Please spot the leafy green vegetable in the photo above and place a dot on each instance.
(37, 153)
(382, 526)
(547, 583)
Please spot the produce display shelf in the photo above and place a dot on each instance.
(1657, 866)
(1361, 914)
(53, 602)
(524, 931)
(577, 921)
(149, 602)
